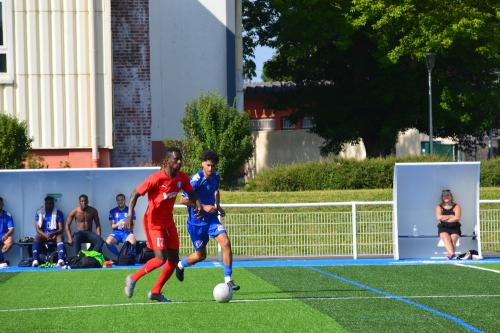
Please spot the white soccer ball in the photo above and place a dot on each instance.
(223, 293)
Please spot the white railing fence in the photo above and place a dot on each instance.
(331, 229)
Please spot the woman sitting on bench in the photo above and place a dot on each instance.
(448, 214)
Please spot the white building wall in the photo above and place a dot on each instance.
(51, 85)
(188, 57)
(283, 147)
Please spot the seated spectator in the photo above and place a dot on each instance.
(85, 216)
(120, 233)
(6, 231)
(49, 224)
(448, 213)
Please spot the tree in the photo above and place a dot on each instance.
(14, 142)
(359, 70)
(210, 123)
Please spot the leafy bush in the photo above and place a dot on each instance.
(14, 142)
(35, 162)
(490, 172)
(210, 123)
(338, 173)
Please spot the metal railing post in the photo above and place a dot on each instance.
(354, 231)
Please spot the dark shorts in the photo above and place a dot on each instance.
(450, 228)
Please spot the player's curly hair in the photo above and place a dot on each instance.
(170, 151)
(209, 155)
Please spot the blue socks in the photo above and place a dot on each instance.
(184, 262)
(228, 270)
(60, 250)
(36, 247)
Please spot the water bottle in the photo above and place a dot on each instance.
(415, 230)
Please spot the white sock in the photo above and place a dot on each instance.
(227, 279)
(180, 265)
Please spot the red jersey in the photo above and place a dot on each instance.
(162, 192)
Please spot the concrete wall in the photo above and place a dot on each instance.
(189, 55)
(52, 87)
(285, 147)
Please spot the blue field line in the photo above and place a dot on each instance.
(398, 298)
(292, 263)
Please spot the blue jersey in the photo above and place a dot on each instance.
(46, 223)
(6, 222)
(205, 188)
(118, 216)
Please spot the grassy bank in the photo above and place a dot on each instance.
(234, 197)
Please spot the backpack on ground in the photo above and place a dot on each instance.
(127, 254)
(144, 253)
(86, 259)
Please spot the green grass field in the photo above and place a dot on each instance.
(272, 299)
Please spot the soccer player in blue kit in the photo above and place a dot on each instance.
(206, 184)
(49, 226)
(120, 234)
(6, 231)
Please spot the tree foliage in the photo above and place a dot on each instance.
(358, 66)
(210, 123)
(14, 142)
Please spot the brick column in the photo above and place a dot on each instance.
(131, 83)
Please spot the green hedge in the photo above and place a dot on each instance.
(341, 173)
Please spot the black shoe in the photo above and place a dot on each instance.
(158, 297)
(179, 273)
(233, 285)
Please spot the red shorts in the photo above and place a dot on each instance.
(162, 239)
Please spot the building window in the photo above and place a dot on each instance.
(307, 122)
(286, 123)
(6, 42)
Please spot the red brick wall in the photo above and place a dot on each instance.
(131, 83)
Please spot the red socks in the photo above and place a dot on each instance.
(165, 274)
(150, 266)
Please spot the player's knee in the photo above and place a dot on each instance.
(225, 243)
(172, 255)
(7, 246)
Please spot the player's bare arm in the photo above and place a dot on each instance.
(198, 207)
(69, 221)
(131, 206)
(40, 232)
(185, 201)
(59, 230)
(8, 234)
(97, 222)
(221, 211)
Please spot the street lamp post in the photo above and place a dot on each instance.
(430, 59)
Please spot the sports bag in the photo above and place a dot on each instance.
(127, 255)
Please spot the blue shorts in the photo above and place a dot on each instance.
(120, 235)
(199, 234)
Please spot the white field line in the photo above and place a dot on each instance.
(73, 307)
(481, 268)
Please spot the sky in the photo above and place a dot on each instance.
(262, 54)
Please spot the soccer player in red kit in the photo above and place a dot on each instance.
(161, 234)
